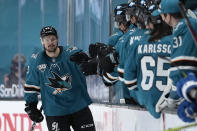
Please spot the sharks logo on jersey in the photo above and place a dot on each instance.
(42, 67)
(60, 84)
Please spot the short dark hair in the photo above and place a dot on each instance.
(177, 15)
(160, 30)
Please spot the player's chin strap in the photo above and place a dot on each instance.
(183, 12)
(34, 123)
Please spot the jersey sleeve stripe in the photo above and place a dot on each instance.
(182, 68)
(184, 63)
(133, 87)
(32, 92)
(121, 73)
(121, 79)
(110, 77)
(131, 84)
(31, 88)
(184, 58)
(108, 81)
(27, 85)
(120, 70)
(130, 81)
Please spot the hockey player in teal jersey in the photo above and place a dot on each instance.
(120, 25)
(61, 85)
(184, 51)
(134, 34)
(121, 92)
(146, 70)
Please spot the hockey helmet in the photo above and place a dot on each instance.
(48, 30)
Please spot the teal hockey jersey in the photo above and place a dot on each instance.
(59, 81)
(122, 42)
(134, 35)
(146, 71)
(115, 37)
(120, 88)
(184, 53)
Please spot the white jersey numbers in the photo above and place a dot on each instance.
(148, 65)
(177, 42)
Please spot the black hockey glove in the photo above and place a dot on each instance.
(108, 62)
(79, 57)
(33, 113)
(89, 67)
(94, 49)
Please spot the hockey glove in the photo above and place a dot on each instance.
(33, 113)
(105, 50)
(89, 67)
(108, 62)
(187, 111)
(187, 88)
(79, 57)
(165, 101)
(94, 49)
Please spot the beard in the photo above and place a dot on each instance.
(51, 48)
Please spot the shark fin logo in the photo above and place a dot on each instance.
(60, 84)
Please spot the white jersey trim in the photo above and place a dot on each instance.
(32, 92)
(121, 79)
(36, 87)
(120, 70)
(107, 80)
(111, 77)
(129, 82)
(133, 87)
(182, 68)
(184, 58)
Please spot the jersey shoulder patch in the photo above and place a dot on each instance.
(70, 49)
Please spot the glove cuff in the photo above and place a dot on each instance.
(32, 105)
(187, 87)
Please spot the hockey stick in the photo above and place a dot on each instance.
(183, 12)
(181, 127)
(34, 123)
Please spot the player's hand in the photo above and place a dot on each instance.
(187, 88)
(165, 101)
(107, 63)
(94, 49)
(187, 111)
(79, 57)
(33, 113)
(89, 67)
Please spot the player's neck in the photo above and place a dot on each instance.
(174, 22)
(53, 54)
